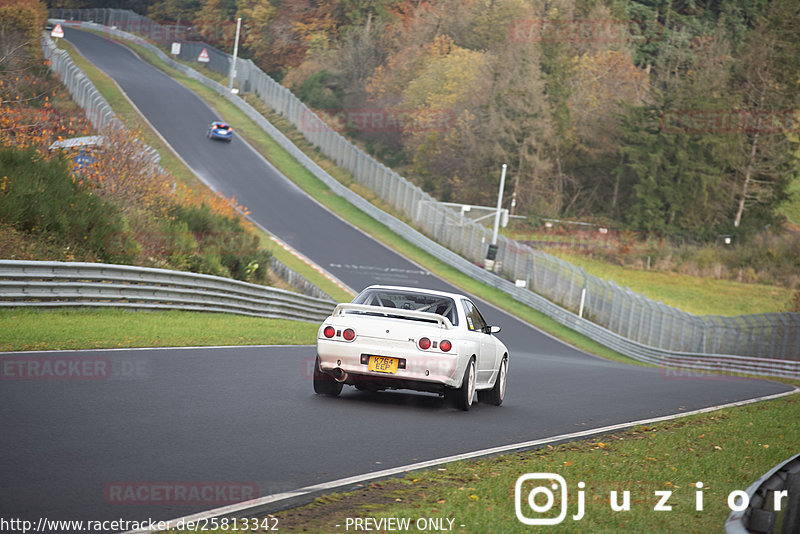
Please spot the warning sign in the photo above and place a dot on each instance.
(203, 57)
(58, 32)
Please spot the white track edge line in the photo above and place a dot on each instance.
(137, 349)
(234, 508)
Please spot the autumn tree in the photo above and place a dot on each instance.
(768, 157)
(520, 130)
(215, 22)
(257, 16)
(441, 99)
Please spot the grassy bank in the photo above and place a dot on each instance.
(693, 294)
(87, 328)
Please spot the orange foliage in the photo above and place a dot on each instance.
(23, 18)
(404, 65)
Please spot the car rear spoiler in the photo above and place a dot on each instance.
(399, 313)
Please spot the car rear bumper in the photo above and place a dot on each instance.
(418, 370)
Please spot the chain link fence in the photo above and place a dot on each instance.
(616, 309)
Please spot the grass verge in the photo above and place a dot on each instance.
(693, 294)
(90, 328)
(726, 450)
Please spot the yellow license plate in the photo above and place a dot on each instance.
(382, 364)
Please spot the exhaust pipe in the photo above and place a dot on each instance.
(339, 374)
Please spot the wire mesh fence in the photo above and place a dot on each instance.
(617, 309)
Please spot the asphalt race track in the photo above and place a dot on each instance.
(245, 418)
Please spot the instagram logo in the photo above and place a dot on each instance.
(540, 498)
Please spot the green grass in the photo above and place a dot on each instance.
(726, 450)
(693, 294)
(88, 328)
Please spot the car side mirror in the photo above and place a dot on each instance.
(491, 329)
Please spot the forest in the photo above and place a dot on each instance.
(678, 117)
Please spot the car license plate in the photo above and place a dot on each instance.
(382, 364)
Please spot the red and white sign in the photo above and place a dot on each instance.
(203, 57)
(58, 32)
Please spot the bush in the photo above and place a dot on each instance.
(40, 196)
(225, 246)
(321, 90)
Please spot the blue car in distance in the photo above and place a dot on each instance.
(220, 130)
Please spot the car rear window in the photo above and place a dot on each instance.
(408, 300)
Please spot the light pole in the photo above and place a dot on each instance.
(492, 252)
(235, 53)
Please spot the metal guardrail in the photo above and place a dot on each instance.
(60, 284)
(296, 280)
(620, 319)
(770, 510)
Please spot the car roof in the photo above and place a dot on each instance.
(219, 123)
(419, 290)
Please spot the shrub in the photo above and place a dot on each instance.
(40, 196)
(223, 242)
(321, 90)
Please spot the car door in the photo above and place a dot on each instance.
(478, 329)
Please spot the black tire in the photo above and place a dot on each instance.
(496, 395)
(324, 384)
(462, 397)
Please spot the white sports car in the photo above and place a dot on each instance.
(408, 338)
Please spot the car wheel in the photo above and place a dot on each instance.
(498, 392)
(324, 384)
(462, 397)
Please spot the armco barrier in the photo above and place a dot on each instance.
(629, 323)
(773, 502)
(61, 284)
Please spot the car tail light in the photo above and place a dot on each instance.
(349, 334)
(445, 345)
(329, 332)
(424, 343)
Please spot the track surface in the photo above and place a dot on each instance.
(247, 416)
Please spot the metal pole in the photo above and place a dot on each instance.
(491, 253)
(499, 205)
(235, 53)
